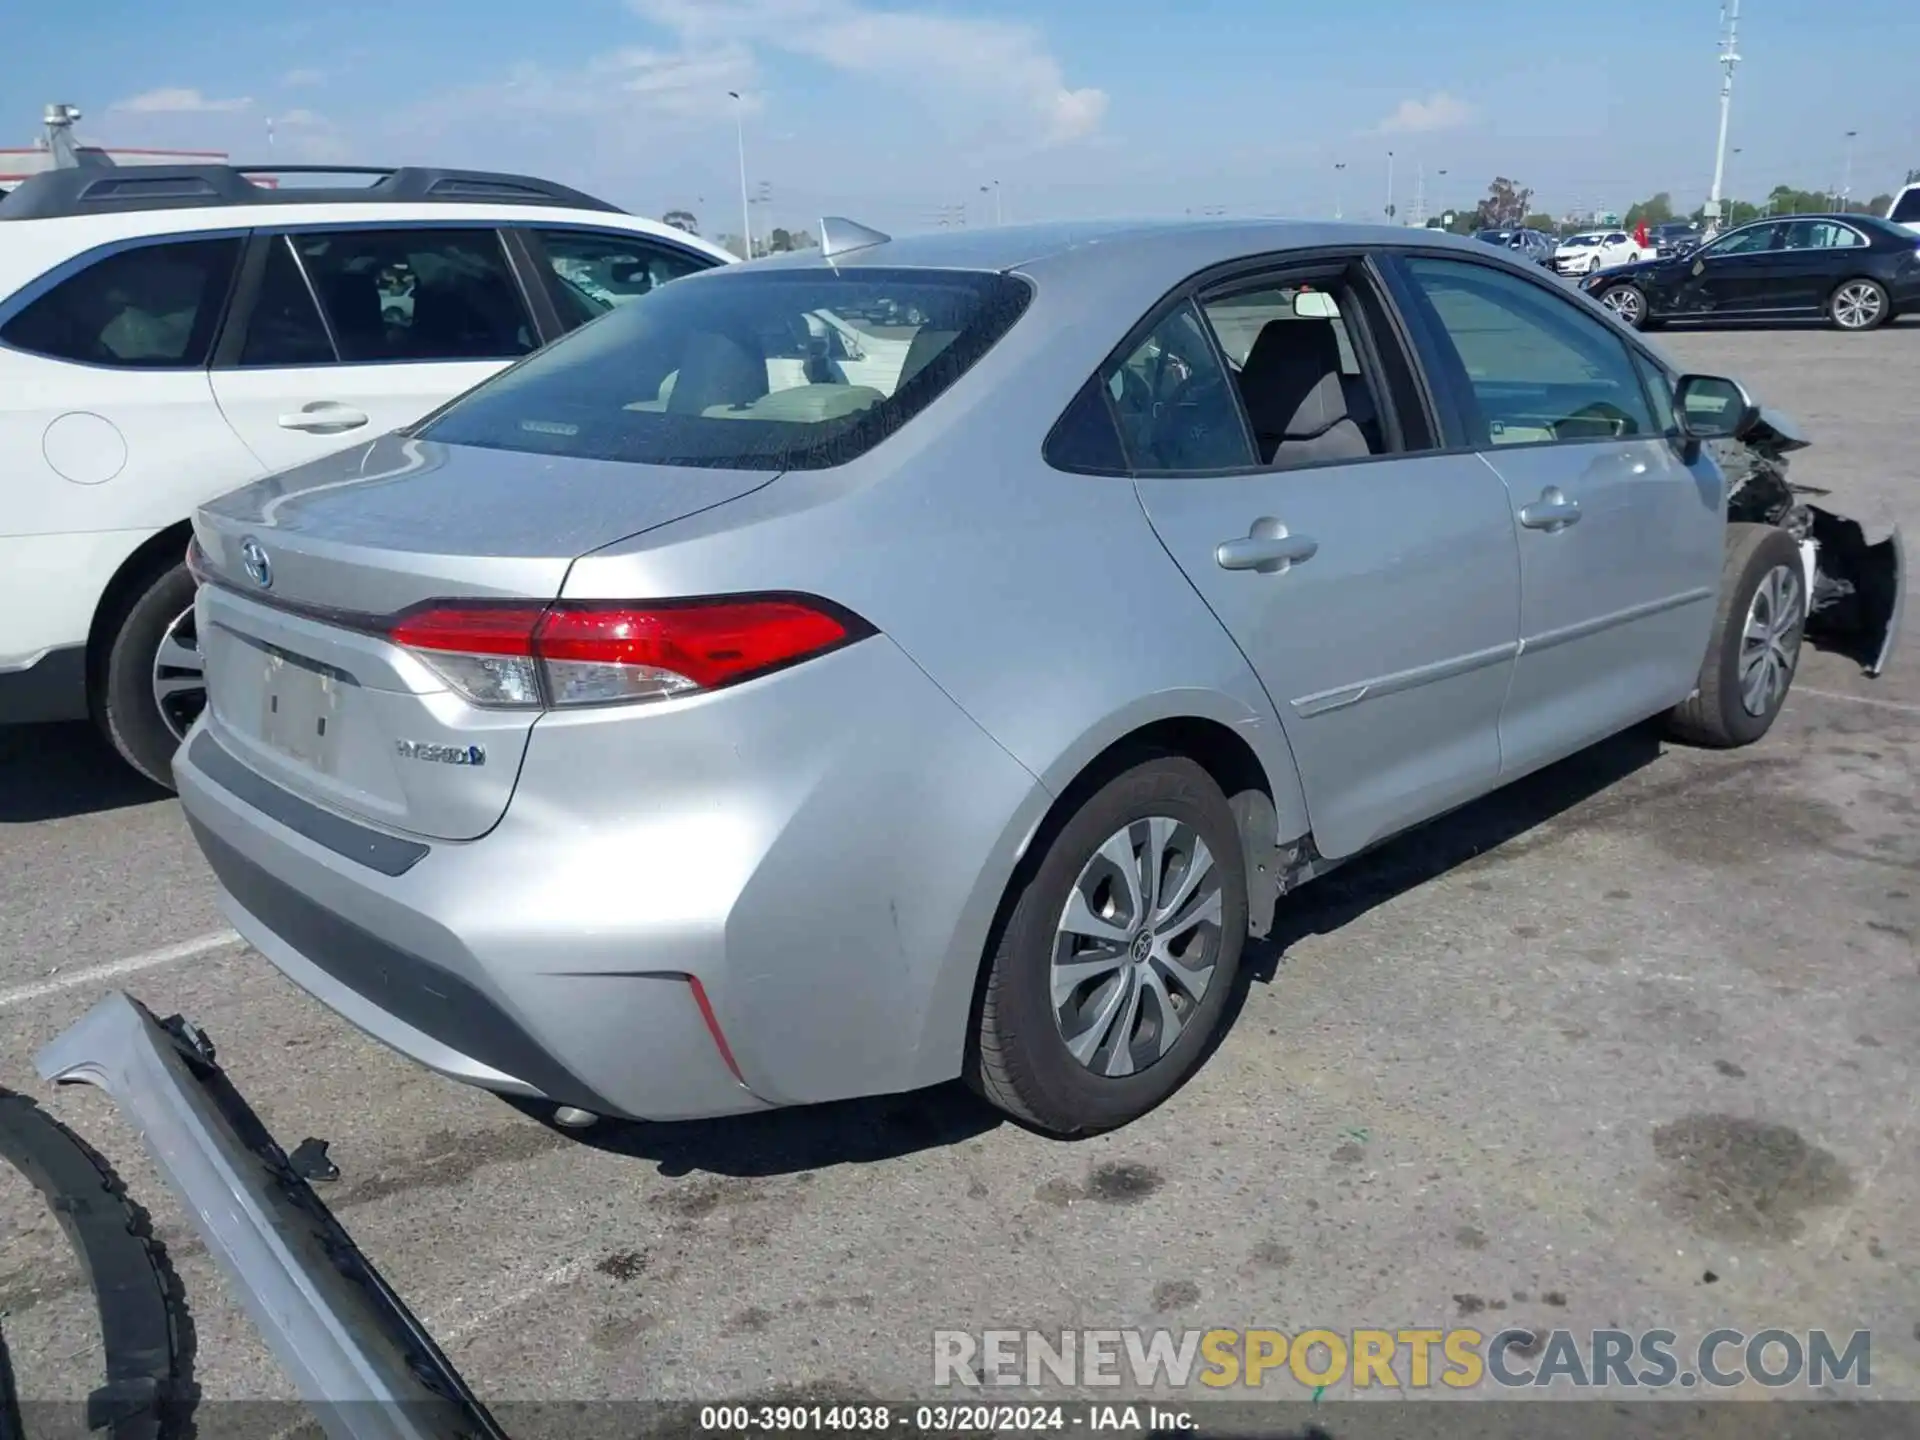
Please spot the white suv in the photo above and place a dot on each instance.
(170, 333)
(1905, 209)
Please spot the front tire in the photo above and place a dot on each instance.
(1859, 306)
(1754, 651)
(1117, 955)
(151, 685)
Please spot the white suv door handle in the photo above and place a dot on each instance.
(324, 417)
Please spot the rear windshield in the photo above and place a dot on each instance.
(759, 370)
(1907, 207)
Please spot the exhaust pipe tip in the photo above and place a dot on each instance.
(571, 1117)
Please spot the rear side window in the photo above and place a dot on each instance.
(590, 272)
(419, 295)
(783, 369)
(285, 327)
(150, 307)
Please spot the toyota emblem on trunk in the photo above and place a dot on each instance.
(254, 557)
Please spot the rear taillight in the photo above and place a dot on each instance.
(518, 655)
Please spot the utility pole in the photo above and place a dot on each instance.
(65, 150)
(746, 203)
(1846, 175)
(1729, 57)
(1339, 174)
(1389, 184)
(1420, 193)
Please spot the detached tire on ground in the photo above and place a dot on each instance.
(1754, 650)
(1117, 954)
(124, 701)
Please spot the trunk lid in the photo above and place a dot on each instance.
(302, 684)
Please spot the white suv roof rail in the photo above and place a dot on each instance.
(95, 190)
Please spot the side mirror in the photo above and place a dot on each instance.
(1712, 407)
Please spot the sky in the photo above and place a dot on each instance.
(905, 114)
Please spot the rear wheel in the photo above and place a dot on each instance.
(151, 685)
(1858, 305)
(1628, 302)
(1117, 956)
(1755, 648)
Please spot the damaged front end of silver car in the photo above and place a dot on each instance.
(1857, 589)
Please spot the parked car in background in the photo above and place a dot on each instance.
(170, 332)
(1905, 209)
(1857, 270)
(608, 738)
(1530, 244)
(1675, 237)
(1593, 250)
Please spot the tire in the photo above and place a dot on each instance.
(124, 702)
(1858, 306)
(1753, 593)
(1638, 319)
(1021, 1060)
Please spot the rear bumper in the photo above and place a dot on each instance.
(355, 1352)
(777, 894)
(52, 687)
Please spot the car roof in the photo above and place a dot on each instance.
(30, 248)
(1181, 245)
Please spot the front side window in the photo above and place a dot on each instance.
(783, 369)
(590, 272)
(1175, 403)
(1541, 370)
(1750, 241)
(149, 307)
(419, 295)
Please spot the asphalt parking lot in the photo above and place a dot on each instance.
(1636, 1043)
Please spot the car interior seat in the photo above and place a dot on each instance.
(1297, 397)
(717, 370)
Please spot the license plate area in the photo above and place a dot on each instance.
(301, 712)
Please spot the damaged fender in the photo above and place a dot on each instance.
(1856, 590)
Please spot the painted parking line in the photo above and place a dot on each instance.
(1875, 700)
(114, 969)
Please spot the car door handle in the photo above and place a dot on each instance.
(324, 417)
(1551, 512)
(1268, 549)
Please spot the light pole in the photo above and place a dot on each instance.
(994, 190)
(1339, 174)
(1729, 57)
(746, 204)
(1846, 175)
(1441, 176)
(1389, 184)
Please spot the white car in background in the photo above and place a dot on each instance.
(1593, 250)
(169, 333)
(1905, 209)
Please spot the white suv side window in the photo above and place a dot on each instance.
(147, 307)
(594, 271)
(421, 295)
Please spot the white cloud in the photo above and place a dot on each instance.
(302, 79)
(993, 67)
(1439, 111)
(302, 120)
(179, 101)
